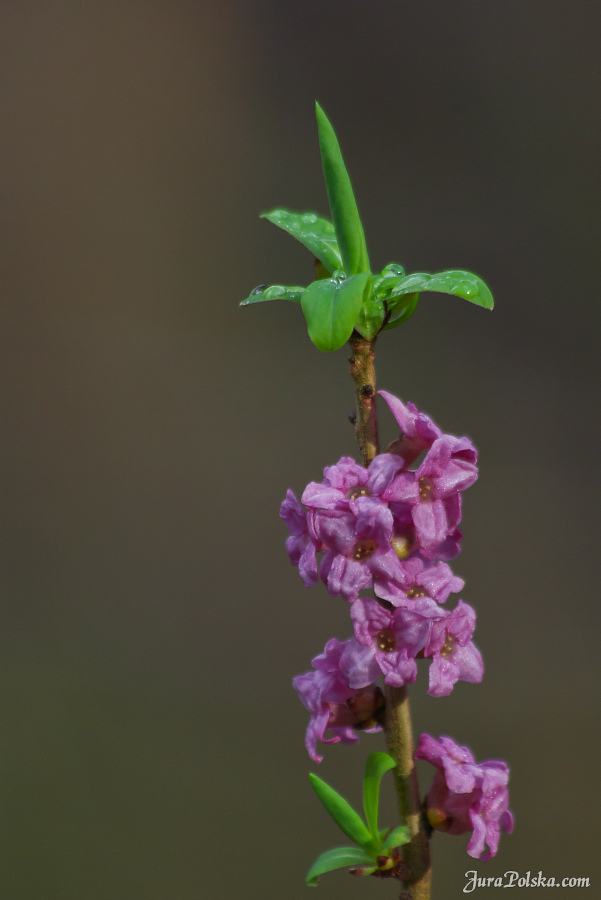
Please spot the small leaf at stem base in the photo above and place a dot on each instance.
(338, 858)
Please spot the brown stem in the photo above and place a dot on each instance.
(364, 378)
(399, 738)
(399, 734)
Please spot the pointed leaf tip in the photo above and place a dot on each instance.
(343, 206)
(376, 766)
(273, 292)
(349, 821)
(454, 281)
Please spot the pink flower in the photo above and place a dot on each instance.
(445, 637)
(301, 547)
(433, 491)
(361, 538)
(377, 648)
(418, 431)
(466, 795)
(422, 578)
(334, 705)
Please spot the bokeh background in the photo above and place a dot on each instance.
(151, 745)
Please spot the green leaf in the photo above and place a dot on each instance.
(396, 838)
(273, 292)
(370, 318)
(455, 281)
(338, 858)
(383, 284)
(402, 308)
(345, 215)
(375, 767)
(331, 307)
(315, 233)
(342, 812)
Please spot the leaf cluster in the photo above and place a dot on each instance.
(346, 296)
(375, 850)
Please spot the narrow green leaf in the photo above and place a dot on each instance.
(345, 215)
(331, 307)
(349, 821)
(402, 308)
(315, 233)
(338, 858)
(455, 281)
(396, 838)
(375, 767)
(273, 292)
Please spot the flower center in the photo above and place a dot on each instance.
(448, 646)
(364, 549)
(425, 488)
(401, 546)
(416, 590)
(357, 491)
(386, 640)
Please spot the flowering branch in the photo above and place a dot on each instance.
(378, 535)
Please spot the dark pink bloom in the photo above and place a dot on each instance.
(433, 491)
(445, 637)
(377, 648)
(348, 521)
(465, 795)
(300, 546)
(422, 578)
(334, 705)
(418, 431)
(454, 656)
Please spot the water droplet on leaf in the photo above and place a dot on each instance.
(465, 289)
(274, 292)
(393, 269)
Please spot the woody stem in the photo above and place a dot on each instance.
(399, 733)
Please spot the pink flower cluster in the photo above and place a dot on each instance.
(388, 529)
(380, 537)
(368, 522)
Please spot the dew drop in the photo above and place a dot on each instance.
(465, 289)
(309, 218)
(274, 292)
(393, 269)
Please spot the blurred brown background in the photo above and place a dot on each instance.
(151, 745)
